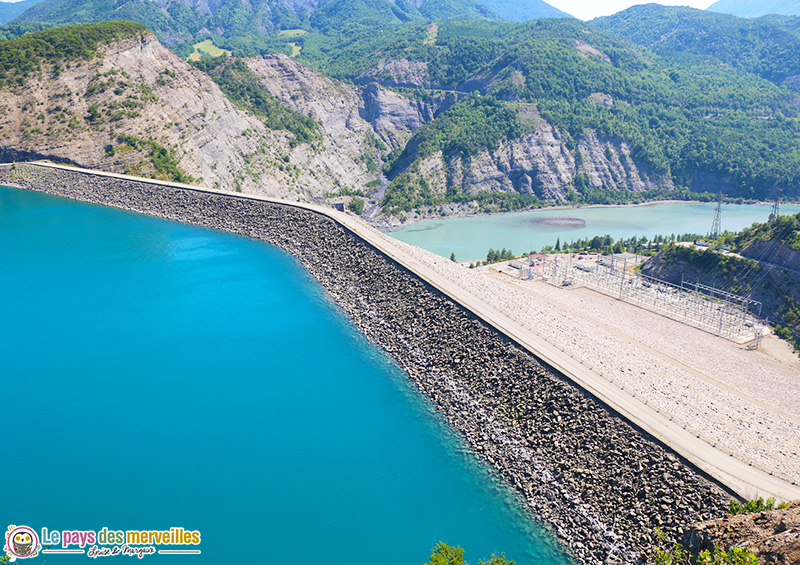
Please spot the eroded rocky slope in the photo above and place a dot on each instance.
(139, 109)
(772, 535)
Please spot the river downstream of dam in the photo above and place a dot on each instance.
(471, 237)
(168, 375)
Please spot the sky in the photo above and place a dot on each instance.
(588, 9)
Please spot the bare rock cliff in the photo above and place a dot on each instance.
(541, 164)
(140, 109)
(120, 111)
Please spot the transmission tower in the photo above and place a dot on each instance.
(776, 207)
(716, 227)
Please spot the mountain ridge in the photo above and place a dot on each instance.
(756, 8)
(423, 118)
(135, 107)
(765, 47)
(10, 10)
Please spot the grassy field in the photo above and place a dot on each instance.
(433, 34)
(295, 49)
(207, 47)
(292, 32)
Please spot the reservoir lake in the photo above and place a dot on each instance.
(471, 237)
(161, 375)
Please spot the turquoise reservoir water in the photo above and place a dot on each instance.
(161, 375)
(470, 238)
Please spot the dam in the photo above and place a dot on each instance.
(560, 441)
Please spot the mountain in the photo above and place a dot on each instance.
(417, 118)
(268, 25)
(765, 47)
(253, 26)
(756, 8)
(517, 11)
(10, 10)
(569, 113)
(110, 96)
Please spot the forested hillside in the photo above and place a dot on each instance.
(703, 125)
(652, 103)
(522, 11)
(10, 10)
(769, 47)
(247, 27)
(756, 8)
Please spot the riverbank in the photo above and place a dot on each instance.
(470, 238)
(598, 482)
(454, 210)
(463, 211)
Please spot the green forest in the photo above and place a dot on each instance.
(703, 111)
(685, 117)
(25, 55)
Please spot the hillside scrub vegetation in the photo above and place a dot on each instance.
(243, 87)
(25, 55)
(685, 116)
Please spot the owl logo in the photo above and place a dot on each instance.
(21, 543)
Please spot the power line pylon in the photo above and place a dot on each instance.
(776, 207)
(716, 226)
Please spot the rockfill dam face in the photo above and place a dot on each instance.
(600, 484)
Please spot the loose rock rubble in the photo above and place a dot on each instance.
(600, 484)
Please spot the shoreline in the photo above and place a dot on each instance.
(388, 229)
(578, 465)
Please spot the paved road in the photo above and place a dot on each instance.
(747, 481)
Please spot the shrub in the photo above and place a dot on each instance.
(356, 205)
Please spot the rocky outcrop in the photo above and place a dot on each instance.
(390, 114)
(773, 252)
(599, 483)
(397, 72)
(348, 114)
(772, 535)
(138, 88)
(540, 164)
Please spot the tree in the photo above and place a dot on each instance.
(558, 244)
(453, 256)
(443, 554)
(356, 205)
(495, 560)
